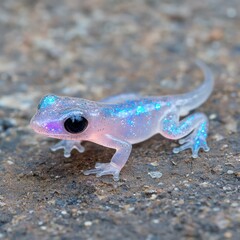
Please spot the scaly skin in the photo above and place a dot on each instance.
(120, 121)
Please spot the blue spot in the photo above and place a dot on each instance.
(140, 109)
(158, 106)
(47, 101)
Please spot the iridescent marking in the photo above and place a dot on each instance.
(54, 127)
(47, 101)
(157, 106)
(140, 109)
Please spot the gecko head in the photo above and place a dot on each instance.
(61, 117)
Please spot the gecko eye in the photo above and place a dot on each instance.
(75, 124)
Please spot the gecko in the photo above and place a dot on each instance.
(120, 121)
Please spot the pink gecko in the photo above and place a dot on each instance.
(120, 121)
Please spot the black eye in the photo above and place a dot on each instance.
(75, 124)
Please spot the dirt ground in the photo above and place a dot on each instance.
(96, 48)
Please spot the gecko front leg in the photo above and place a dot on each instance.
(119, 159)
(194, 128)
(68, 146)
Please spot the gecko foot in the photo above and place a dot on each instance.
(102, 169)
(68, 146)
(195, 143)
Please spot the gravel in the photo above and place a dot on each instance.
(93, 49)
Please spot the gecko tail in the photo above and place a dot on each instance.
(191, 100)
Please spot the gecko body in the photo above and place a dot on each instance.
(120, 121)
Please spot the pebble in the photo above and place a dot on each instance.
(227, 188)
(231, 12)
(2, 204)
(218, 137)
(63, 212)
(231, 125)
(156, 221)
(222, 223)
(88, 224)
(153, 196)
(154, 163)
(216, 35)
(218, 169)
(228, 235)
(223, 147)
(213, 116)
(155, 174)
(43, 227)
(234, 204)
(230, 172)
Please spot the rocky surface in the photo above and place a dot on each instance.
(96, 48)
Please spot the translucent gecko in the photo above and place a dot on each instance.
(120, 121)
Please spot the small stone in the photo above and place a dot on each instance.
(230, 172)
(2, 204)
(204, 184)
(223, 223)
(10, 162)
(234, 204)
(150, 191)
(227, 188)
(181, 202)
(155, 163)
(223, 147)
(231, 12)
(156, 221)
(218, 169)
(153, 196)
(228, 235)
(231, 125)
(174, 163)
(155, 174)
(218, 137)
(131, 209)
(213, 116)
(216, 35)
(88, 224)
(63, 212)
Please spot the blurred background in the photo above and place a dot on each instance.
(100, 47)
(96, 48)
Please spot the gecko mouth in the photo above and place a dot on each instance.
(38, 128)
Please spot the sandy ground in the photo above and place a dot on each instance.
(96, 48)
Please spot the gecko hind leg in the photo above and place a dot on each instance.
(68, 146)
(195, 141)
(193, 130)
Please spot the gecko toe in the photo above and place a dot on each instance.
(102, 169)
(67, 154)
(206, 148)
(182, 148)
